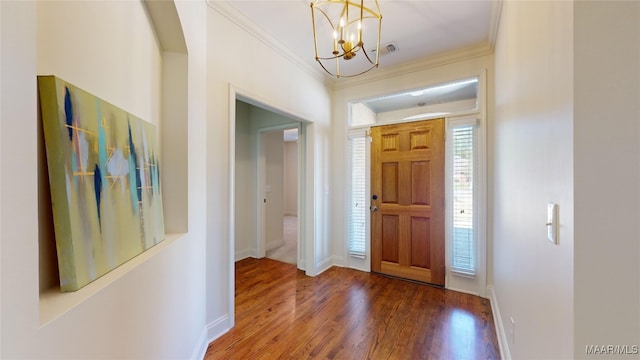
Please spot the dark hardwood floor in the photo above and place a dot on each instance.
(348, 314)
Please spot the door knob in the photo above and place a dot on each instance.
(373, 208)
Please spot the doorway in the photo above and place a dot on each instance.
(259, 200)
(463, 103)
(280, 197)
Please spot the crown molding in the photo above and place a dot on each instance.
(494, 23)
(420, 65)
(243, 22)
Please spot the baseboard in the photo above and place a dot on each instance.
(460, 290)
(503, 343)
(201, 347)
(338, 260)
(274, 244)
(324, 265)
(218, 328)
(243, 254)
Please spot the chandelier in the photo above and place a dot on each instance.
(341, 30)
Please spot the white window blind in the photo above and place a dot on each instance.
(358, 202)
(463, 242)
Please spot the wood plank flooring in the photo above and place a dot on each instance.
(348, 314)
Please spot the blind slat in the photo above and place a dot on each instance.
(358, 205)
(463, 243)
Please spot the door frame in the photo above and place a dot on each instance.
(474, 286)
(306, 224)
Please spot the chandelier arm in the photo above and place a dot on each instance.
(375, 14)
(349, 47)
(346, 76)
(367, 56)
(324, 13)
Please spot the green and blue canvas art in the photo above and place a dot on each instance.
(104, 175)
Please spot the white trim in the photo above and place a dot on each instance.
(306, 186)
(273, 244)
(462, 290)
(251, 28)
(219, 327)
(301, 186)
(243, 254)
(201, 346)
(497, 320)
(494, 23)
(464, 121)
(232, 207)
(324, 265)
(420, 65)
(337, 260)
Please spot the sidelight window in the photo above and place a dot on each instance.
(463, 179)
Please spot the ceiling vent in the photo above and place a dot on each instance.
(387, 49)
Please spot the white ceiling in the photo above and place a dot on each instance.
(420, 29)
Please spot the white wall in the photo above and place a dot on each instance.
(153, 306)
(258, 71)
(362, 115)
(273, 146)
(291, 178)
(533, 155)
(607, 174)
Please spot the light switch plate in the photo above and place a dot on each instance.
(552, 223)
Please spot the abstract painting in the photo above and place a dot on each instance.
(104, 176)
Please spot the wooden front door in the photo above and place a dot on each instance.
(407, 200)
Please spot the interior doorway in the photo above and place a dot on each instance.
(269, 177)
(280, 198)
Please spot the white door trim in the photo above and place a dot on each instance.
(305, 187)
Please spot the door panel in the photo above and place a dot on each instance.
(407, 184)
(420, 251)
(390, 183)
(420, 173)
(390, 238)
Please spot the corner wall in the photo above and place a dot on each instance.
(533, 158)
(607, 175)
(259, 72)
(154, 305)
